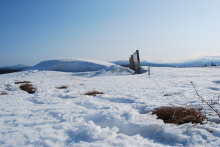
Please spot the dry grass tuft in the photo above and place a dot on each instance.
(179, 115)
(94, 93)
(28, 87)
(22, 82)
(3, 93)
(62, 87)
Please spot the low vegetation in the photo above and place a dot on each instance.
(28, 87)
(93, 93)
(3, 93)
(22, 82)
(179, 115)
(62, 87)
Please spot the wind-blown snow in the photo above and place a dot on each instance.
(67, 117)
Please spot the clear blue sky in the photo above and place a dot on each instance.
(162, 30)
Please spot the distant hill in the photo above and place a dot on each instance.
(143, 63)
(198, 62)
(16, 67)
(71, 65)
(191, 63)
(120, 62)
(5, 71)
(152, 64)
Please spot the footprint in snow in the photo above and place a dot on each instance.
(217, 82)
(214, 88)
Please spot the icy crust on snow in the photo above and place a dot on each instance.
(71, 65)
(120, 117)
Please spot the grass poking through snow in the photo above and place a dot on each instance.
(93, 93)
(179, 115)
(22, 82)
(28, 87)
(3, 93)
(62, 87)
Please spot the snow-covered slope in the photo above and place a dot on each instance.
(16, 67)
(120, 62)
(71, 65)
(119, 117)
(83, 67)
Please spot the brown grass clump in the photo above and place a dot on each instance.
(3, 93)
(179, 115)
(28, 87)
(22, 82)
(93, 93)
(62, 87)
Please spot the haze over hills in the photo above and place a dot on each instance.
(191, 63)
(16, 67)
(199, 62)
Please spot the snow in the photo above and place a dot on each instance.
(120, 117)
(120, 62)
(189, 63)
(71, 65)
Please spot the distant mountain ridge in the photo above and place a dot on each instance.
(191, 63)
(16, 67)
(198, 62)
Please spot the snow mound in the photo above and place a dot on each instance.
(71, 65)
(114, 70)
(88, 68)
(120, 62)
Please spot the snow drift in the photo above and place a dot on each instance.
(82, 65)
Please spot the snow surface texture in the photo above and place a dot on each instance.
(67, 117)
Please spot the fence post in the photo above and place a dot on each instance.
(139, 64)
(148, 70)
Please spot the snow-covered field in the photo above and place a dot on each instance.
(120, 117)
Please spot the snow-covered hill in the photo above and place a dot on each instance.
(120, 62)
(199, 62)
(91, 67)
(191, 63)
(143, 63)
(71, 65)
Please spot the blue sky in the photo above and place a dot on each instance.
(163, 31)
